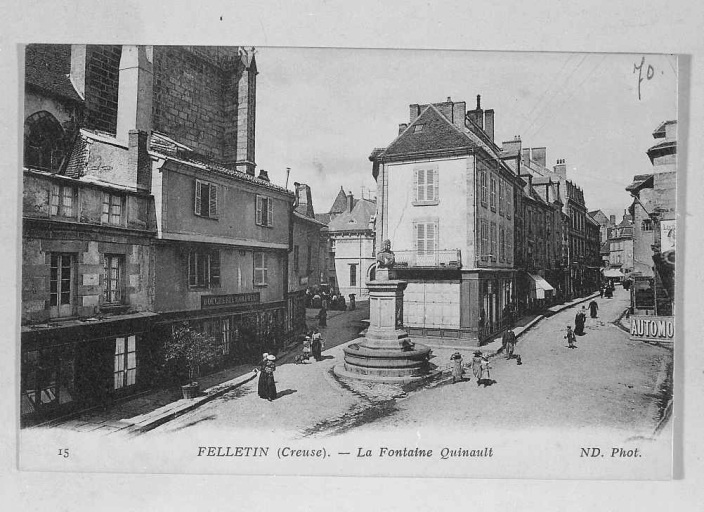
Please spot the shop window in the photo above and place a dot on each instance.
(426, 186)
(206, 199)
(226, 335)
(63, 200)
(44, 142)
(112, 209)
(204, 269)
(261, 270)
(125, 373)
(113, 279)
(47, 380)
(61, 286)
(265, 211)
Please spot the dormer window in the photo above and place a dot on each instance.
(418, 128)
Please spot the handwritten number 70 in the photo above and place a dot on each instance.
(649, 73)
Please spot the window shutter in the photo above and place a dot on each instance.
(432, 193)
(105, 217)
(213, 201)
(420, 240)
(270, 212)
(197, 207)
(54, 199)
(259, 210)
(415, 185)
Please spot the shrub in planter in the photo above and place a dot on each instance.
(193, 349)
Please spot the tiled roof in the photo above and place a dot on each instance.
(78, 159)
(47, 67)
(169, 148)
(356, 220)
(437, 134)
(340, 203)
(323, 217)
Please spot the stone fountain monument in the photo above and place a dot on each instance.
(386, 354)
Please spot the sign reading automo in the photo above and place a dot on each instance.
(653, 328)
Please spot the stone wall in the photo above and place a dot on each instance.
(101, 87)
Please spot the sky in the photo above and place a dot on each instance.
(320, 112)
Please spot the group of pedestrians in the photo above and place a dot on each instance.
(313, 344)
(580, 320)
(480, 368)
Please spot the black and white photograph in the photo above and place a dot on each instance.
(415, 262)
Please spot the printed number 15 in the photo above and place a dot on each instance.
(63, 452)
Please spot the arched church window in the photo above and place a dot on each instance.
(44, 142)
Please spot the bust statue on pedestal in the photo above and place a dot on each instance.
(385, 260)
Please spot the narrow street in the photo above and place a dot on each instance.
(607, 382)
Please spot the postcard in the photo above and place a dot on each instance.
(359, 262)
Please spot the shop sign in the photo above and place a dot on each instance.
(235, 299)
(667, 235)
(653, 328)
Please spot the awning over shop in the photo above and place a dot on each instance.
(613, 273)
(541, 288)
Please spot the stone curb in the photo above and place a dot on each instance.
(212, 393)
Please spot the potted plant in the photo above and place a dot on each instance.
(193, 349)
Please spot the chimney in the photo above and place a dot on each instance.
(538, 155)
(263, 175)
(304, 200)
(612, 220)
(512, 145)
(414, 112)
(445, 108)
(350, 201)
(138, 160)
(489, 123)
(402, 127)
(459, 110)
(135, 91)
(78, 68)
(477, 115)
(561, 168)
(525, 156)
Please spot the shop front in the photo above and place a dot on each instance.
(83, 364)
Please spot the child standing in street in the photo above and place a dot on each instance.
(477, 366)
(456, 361)
(570, 337)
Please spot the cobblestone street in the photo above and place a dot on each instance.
(607, 382)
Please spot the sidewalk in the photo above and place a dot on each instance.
(152, 408)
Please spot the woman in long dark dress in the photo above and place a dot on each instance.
(261, 383)
(269, 384)
(579, 320)
(317, 345)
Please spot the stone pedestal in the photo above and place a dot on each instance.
(386, 354)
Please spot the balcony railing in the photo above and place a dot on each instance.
(429, 259)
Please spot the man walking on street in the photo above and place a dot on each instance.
(508, 341)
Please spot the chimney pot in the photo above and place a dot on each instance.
(449, 100)
(263, 175)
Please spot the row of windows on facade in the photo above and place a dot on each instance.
(489, 185)
(64, 200)
(206, 204)
(490, 236)
(203, 272)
